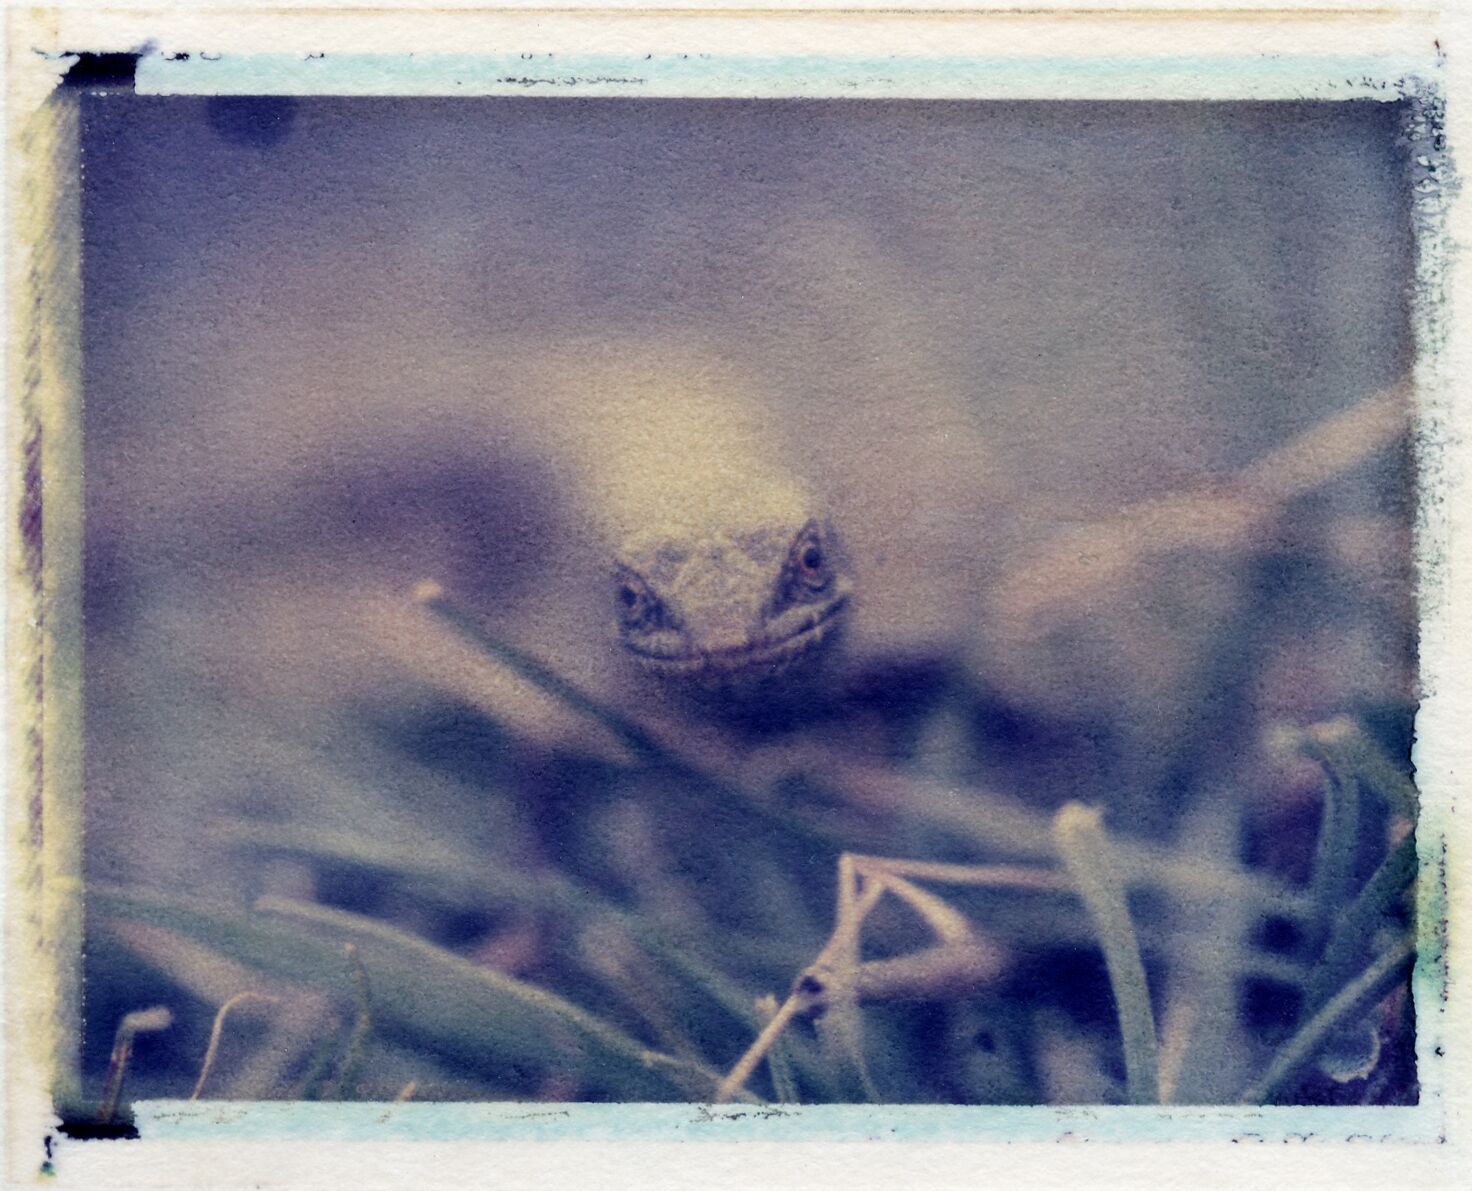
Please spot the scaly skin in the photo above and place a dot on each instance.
(730, 606)
(724, 575)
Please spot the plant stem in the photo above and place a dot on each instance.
(1355, 997)
(1086, 853)
(1359, 922)
(142, 1022)
(218, 1028)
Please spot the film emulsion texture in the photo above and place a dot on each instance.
(572, 583)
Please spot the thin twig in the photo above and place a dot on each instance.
(845, 933)
(142, 1022)
(779, 1063)
(218, 1028)
(948, 923)
(745, 1065)
(848, 886)
(1016, 876)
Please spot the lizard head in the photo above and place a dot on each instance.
(729, 607)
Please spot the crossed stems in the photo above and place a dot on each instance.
(959, 956)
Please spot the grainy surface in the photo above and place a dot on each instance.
(337, 347)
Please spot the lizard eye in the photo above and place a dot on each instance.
(638, 606)
(808, 569)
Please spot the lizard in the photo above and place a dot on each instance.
(728, 577)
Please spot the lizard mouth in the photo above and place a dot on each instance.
(762, 655)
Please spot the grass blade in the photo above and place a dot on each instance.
(1086, 852)
(433, 598)
(1354, 998)
(1369, 911)
(463, 879)
(424, 996)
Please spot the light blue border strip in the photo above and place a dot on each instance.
(182, 1120)
(710, 76)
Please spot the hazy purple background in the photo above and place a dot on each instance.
(289, 307)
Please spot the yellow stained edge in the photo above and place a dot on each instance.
(43, 918)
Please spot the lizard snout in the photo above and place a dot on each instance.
(729, 631)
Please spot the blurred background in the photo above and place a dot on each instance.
(1027, 354)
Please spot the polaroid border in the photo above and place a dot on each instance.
(1401, 59)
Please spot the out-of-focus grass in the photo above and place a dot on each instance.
(1085, 850)
(423, 994)
(852, 910)
(633, 995)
